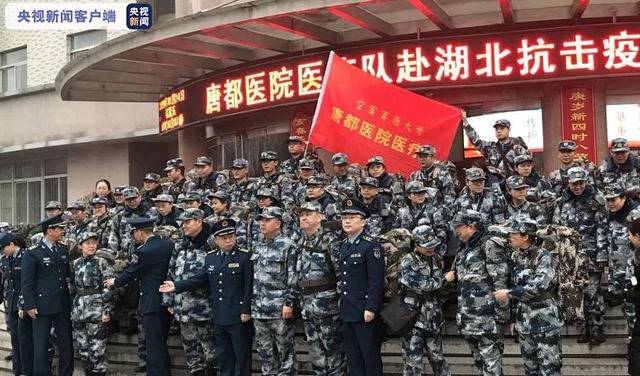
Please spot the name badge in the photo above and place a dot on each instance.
(356, 255)
(46, 259)
(233, 265)
(211, 268)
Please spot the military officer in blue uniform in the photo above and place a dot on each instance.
(21, 340)
(361, 273)
(45, 272)
(229, 273)
(149, 265)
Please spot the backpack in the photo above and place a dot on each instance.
(564, 244)
(395, 244)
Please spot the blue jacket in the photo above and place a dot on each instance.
(230, 278)
(44, 279)
(149, 265)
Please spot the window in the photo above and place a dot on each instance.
(82, 42)
(25, 187)
(13, 69)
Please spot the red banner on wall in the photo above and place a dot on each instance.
(364, 116)
(300, 125)
(578, 119)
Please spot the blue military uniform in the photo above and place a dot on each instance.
(361, 273)
(45, 272)
(21, 340)
(149, 264)
(230, 279)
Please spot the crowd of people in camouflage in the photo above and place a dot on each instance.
(233, 261)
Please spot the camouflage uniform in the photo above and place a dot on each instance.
(345, 185)
(497, 153)
(489, 203)
(614, 241)
(437, 176)
(176, 188)
(90, 302)
(476, 313)
(328, 203)
(281, 184)
(558, 178)
(192, 309)
(626, 174)
(274, 286)
(75, 230)
(102, 227)
(382, 217)
(315, 272)
(240, 192)
(526, 208)
(421, 277)
(391, 185)
(537, 316)
(213, 182)
(584, 213)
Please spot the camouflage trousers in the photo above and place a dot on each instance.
(92, 344)
(275, 344)
(198, 344)
(142, 343)
(629, 310)
(325, 345)
(593, 301)
(542, 353)
(418, 342)
(487, 353)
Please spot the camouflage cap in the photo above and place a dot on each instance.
(316, 180)
(352, 206)
(203, 160)
(180, 197)
(614, 190)
(296, 139)
(516, 182)
(467, 217)
(415, 186)
(619, 145)
(164, 198)
(311, 206)
(174, 163)
(77, 205)
(53, 205)
(425, 236)
(475, 173)
(223, 227)
(192, 196)
(522, 158)
(576, 174)
(130, 192)
(268, 155)
(339, 159)
(219, 194)
(266, 192)
(86, 236)
(98, 201)
(192, 213)
(523, 224)
(370, 181)
(151, 176)
(239, 163)
(306, 164)
(270, 212)
(567, 145)
(502, 123)
(426, 150)
(119, 190)
(375, 160)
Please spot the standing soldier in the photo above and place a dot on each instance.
(316, 277)
(421, 277)
(478, 198)
(613, 239)
(241, 187)
(381, 216)
(279, 182)
(537, 315)
(343, 182)
(476, 314)
(152, 187)
(149, 265)
(101, 221)
(274, 290)
(92, 305)
(229, 275)
(79, 225)
(305, 170)
(168, 213)
(621, 167)
(193, 309)
(45, 272)
(435, 174)
(500, 153)
(208, 178)
(175, 173)
(316, 192)
(118, 200)
(361, 273)
(567, 155)
(52, 208)
(391, 186)
(581, 208)
(295, 144)
(221, 205)
(517, 204)
(193, 200)
(538, 187)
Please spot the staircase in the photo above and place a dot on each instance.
(608, 358)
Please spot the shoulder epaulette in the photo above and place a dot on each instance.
(243, 250)
(368, 238)
(33, 247)
(212, 251)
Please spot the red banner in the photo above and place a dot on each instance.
(300, 125)
(578, 119)
(364, 116)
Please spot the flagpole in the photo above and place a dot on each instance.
(322, 90)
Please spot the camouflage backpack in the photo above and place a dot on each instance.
(395, 243)
(564, 244)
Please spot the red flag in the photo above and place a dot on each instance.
(364, 116)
